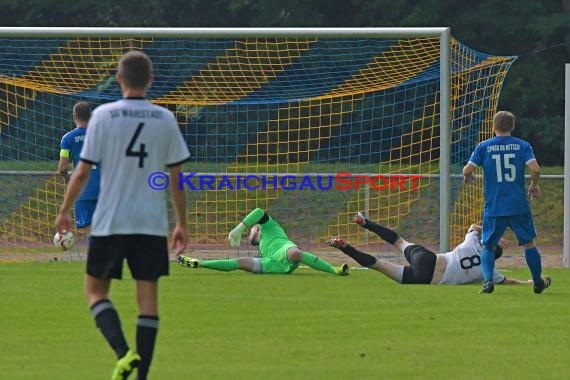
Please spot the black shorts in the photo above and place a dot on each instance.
(422, 265)
(146, 255)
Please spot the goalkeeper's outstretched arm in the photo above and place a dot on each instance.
(254, 217)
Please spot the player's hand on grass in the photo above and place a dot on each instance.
(179, 240)
(235, 235)
(533, 191)
(63, 222)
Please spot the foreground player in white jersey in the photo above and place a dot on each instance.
(460, 266)
(131, 139)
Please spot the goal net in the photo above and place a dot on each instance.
(290, 112)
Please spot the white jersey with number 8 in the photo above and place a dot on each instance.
(464, 263)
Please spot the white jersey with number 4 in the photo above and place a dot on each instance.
(464, 263)
(132, 139)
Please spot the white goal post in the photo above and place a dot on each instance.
(443, 33)
(566, 248)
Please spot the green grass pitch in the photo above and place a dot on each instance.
(307, 325)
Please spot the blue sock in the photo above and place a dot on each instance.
(532, 257)
(487, 263)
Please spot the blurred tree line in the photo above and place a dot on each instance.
(538, 32)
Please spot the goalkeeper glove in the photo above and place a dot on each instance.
(235, 235)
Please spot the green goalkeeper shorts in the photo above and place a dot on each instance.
(278, 263)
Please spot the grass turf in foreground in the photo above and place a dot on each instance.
(308, 325)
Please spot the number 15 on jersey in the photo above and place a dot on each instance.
(505, 169)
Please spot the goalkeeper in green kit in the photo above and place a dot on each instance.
(278, 254)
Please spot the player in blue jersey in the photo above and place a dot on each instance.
(71, 145)
(503, 159)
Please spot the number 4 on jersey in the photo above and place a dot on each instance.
(141, 153)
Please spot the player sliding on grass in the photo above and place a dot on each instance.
(278, 254)
(460, 266)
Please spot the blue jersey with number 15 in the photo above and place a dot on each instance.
(503, 159)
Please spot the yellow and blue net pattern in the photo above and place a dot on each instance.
(304, 107)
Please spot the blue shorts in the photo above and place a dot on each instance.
(84, 212)
(494, 227)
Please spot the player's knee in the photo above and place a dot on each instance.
(93, 296)
(294, 255)
(528, 245)
(402, 244)
(246, 263)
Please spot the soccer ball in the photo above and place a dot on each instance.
(64, 241)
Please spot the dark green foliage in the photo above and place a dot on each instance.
(536, 31)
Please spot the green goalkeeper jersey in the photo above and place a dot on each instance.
(274, 240)
(274, 244)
